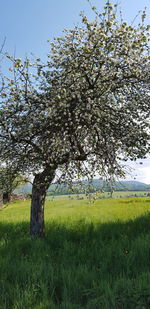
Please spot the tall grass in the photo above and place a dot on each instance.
(92, 256)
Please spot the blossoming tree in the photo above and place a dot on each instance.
(85, 110)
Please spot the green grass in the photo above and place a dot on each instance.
(116, 194)
(93, 256)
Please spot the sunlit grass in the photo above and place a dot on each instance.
(100, 210)
(73, 210)
(116, 194)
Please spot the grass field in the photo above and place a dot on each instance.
(93, 256)
(117, 194)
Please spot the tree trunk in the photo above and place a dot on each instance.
(40, 185)
(6, 197)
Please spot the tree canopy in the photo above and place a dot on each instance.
(83, 111)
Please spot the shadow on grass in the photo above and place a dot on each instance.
(76, 266)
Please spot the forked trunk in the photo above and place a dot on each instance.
(39, 189)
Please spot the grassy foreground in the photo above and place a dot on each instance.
(93, 256)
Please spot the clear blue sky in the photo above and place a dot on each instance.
(28, 24)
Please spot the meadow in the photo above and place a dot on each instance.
(93, 255)
(116, 194)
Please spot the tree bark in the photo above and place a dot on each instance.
(40, 186)
(6, 197)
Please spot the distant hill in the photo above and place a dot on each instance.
(132, 186)
(95, 185)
